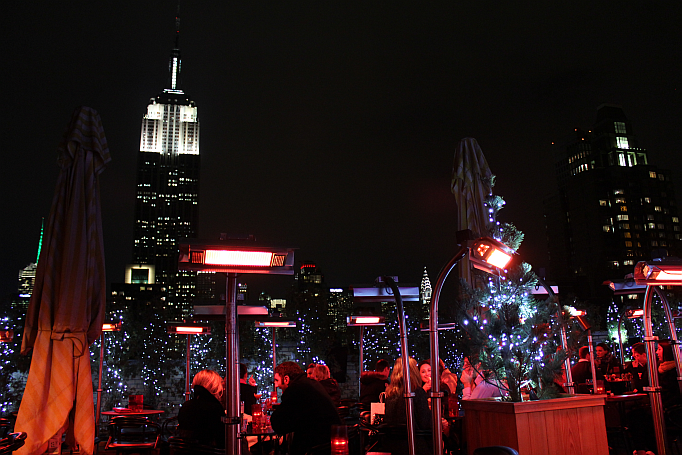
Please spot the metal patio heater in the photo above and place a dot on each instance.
(626, 287)
(233, 257)
(387, 290)
(188, 330)
(275, 323)
(106, 327)
(484, 254)
(653, 274)
(363, 321)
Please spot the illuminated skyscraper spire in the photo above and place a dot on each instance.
(167, 202)
(425, 289)
(175, 62)
(40, 242)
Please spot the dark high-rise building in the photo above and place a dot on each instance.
(166, 207)
(613, 207)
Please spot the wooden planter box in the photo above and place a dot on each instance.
(573, 425)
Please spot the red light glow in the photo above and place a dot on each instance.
(109, 327)
(367, 320)
(234, 257)
(190, 330)
(635, 313)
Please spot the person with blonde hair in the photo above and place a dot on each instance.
(395, 412)
(200, 418)
(322, 375)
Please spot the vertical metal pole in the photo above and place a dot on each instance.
(405, 355)
(654, 388)
(187, 369)
(570, 385)
(592, 367)
(620, 339)
(232, 419)
(99, 384)
(436, 394)
(673, 333)
(274, 357)
(362, 360)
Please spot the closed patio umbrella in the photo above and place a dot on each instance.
(471, 184)
(66, 309)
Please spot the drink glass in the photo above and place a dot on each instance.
(257, 417)
(339, 440)
(136, 403)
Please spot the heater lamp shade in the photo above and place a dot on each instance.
(234, 257)
(111, 327)
(659, 272)
(489, 255)
(189, 329)
(276, 323)
(632, 314)
(367, 320)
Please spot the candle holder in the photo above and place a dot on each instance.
(339, 440)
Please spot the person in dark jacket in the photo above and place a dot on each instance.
(322, 375)
(305, 410)
(199, 419)
(373, 383)
(638, 368)
(605, 362)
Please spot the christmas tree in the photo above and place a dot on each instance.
(506, 328)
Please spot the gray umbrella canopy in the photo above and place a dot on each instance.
(66, 310)
(471, 185)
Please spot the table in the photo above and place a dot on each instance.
(144, 412)
(616, 408)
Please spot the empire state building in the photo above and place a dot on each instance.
(166, 206)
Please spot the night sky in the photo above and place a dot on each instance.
(331, 126)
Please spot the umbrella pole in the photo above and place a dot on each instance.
(99, 384)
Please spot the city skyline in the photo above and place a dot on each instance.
(332, 127)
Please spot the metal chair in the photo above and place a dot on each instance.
(495, 450)
(6, 426)
(12, 442)
(132, 434)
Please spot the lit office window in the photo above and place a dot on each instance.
(622, 142)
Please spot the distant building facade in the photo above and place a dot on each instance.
(613, 208)
(167, 199)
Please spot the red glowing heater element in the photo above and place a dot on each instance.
(111, 327)
(276, 324)
(575, 312)
(632, 314)
(190, 329)
(668, 271)
(487, 254)
(234, 257)
(6, 336)
(365, 320)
